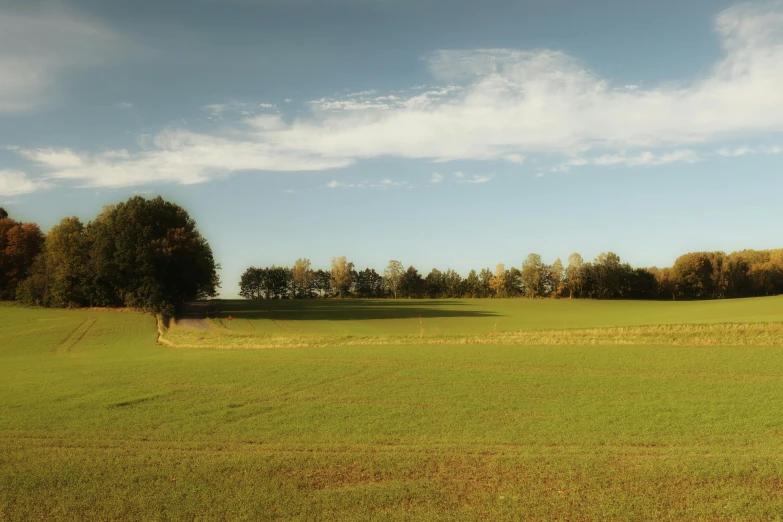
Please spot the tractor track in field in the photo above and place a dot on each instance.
(67, 340)
(83, 335)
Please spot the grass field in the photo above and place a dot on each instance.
(572, 410)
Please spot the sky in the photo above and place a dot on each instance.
(441, 133)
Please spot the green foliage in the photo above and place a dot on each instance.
(700, 275)
(149, 254)
(534, 276)
(145, 254)
(368, 284)
(412, 284)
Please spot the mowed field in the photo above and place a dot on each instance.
(497, 410)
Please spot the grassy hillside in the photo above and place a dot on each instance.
(99, 422)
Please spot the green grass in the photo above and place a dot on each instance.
(99, 422)
(479, 316)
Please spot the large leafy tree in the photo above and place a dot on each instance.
(252, 283)
(148, 253)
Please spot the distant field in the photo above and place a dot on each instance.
(281, 323)
(100, 422)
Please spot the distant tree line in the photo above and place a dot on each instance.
(145, 254)
(698, 275)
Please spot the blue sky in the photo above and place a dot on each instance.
(447, 134)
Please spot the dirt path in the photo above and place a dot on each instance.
(194, 315)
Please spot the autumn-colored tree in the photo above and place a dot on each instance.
(340, 280)
(20, 243)
(303, 277)
(574, 277)
(498, 282)
(557, 277)
(692, 274)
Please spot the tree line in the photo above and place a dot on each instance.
(697, 275)
(145, 254)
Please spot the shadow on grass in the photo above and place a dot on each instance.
(333, 309)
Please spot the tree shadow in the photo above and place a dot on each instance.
(334, 309)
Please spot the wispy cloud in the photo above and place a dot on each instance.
(382, 184)
(243, 109)
(641, 159)
(436, 177)
(15, 182)
(475, 178)
(744, 150)
(39, 42)
(494, 104)
(124, 106)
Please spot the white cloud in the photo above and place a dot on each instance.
(124, 105)
(245, 109)
(494, 104)
(744, 150)
(476, 178)
(436, 177)
(383, 184)
(39, 43)
(15, 182)
(514, 158)
(178, 156)
(645, 158)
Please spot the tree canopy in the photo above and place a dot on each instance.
(699, 275)
(143, 253)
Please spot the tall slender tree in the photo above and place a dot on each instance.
(392, 277)
(534, 275)
(303, 278)
(557, 277)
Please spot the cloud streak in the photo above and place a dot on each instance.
(39, 44)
